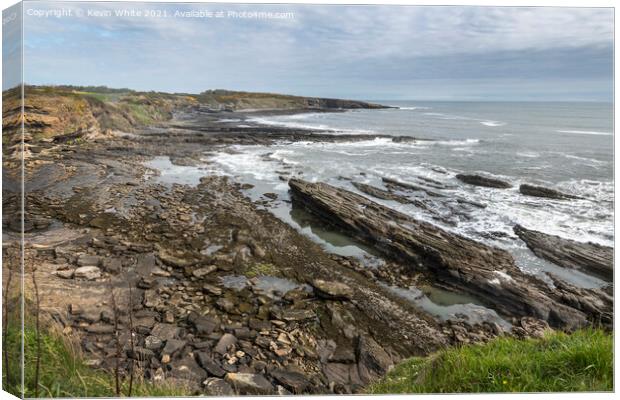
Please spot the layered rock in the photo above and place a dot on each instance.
(485, 181)
(540, 191)
(380, 193)
(455, 261)
(590, 258)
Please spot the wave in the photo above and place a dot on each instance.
(413, 108)
(576, 132)
(528, 154)
(290, 122)
(586, 159)
(457, 142)
(492, 123)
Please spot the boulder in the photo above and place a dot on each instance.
(294, 381)
(250, 383)
(153, 343)
(373, 362)
(539, 191)
(480, 180)
(217, 387)
(226, 341)
(173, 345)
(187, 368)
(165, 331)
(204, 325)
(332, 290)
(206, 361)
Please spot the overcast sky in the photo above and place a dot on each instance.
(365, 52)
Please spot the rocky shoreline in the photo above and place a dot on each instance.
(197, 284)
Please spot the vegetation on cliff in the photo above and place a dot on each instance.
(557, 362)
(64, 372)
(69, 112)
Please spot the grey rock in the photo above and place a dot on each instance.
(89, 273)
(250, 383)
(590, 258)
(373, 361)
(204, 271)
(452, 260)
(206, 362)
(294, 314)
(227, 305)
(332, 290)
(113, 265)
(65, 274)
(479, 180)
(218, 387)
(100, 328)
(224, 343)
(212, 290)
(173, 345)
(140, 353)
(187, 368)
(204, 325)
(294, 381)
(540, 191)
(153, 343)
(88, 260)
(165, 331)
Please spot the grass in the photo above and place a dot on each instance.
(559, 362)
(64, 372)
(261, 269)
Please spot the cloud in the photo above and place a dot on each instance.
(324, 50)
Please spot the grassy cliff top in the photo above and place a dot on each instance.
(71, 111)
(557, 362)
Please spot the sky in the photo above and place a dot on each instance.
(360, 52)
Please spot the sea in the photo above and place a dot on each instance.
(567, 146)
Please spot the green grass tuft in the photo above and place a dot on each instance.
(64, 373)
(559, 362)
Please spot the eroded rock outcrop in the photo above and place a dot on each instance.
(455, 261)
(485, 181)
(590, 258)
(540, 191)
(380, 193)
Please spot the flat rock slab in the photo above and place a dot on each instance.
(380, 193)
(486, 272)
(332, 290)
(89, 273)
(590, 258)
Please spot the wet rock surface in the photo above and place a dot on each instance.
(458, 262)
(485, 181)
(153, 269)
(540, 191)
(590, 258)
